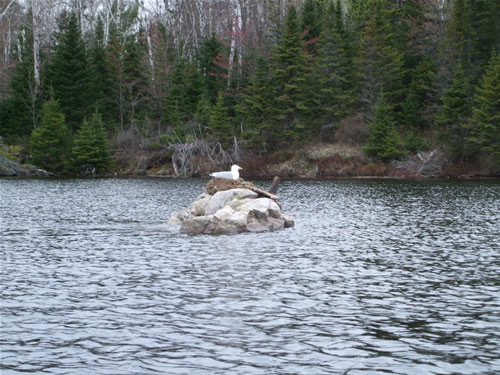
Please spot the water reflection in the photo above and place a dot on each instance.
(376, 277)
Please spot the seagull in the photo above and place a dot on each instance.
(234, 174)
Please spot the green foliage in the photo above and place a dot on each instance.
(454, 113)
(470, 35)
(213, 73)
(294, 95)
(99, 73)
(175, 100)
(90, 152)
(220, 122)
(19, 114)
(384, 142)
(413, 143)
(69, 73)
(256, 110)
(311, 20)
(127, 78)
(336, 88)
(380, 63)
(485, 121)
(49, 141)
(485, 20)
(135, 81)
(203, 110)
(417, 105)
(184, 94)
(12, 152)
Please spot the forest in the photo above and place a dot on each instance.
(177, 87)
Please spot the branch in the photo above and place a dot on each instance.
(6, 9)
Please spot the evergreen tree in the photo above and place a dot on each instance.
(336, 93)
(485, 121)
(256, 109)
(220, 122)
(19, 114)
(99, 77)
(294, 95)
(213, 74)
(311, 19)
(115, 82)
(455, 111)
(485, 19)
(380, 63)
(135, 79)
(384, 142)
(194, 89)
(417, 107)
(49, 140)
(69, 74)
(127, 81)
(175, 102)
(203, 111)
(90, 152)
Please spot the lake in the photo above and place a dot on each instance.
(377, 277)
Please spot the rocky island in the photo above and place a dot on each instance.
(230, 206)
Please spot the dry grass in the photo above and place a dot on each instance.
(328, 150)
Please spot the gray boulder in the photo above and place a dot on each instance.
(11, 168)
(230, 212)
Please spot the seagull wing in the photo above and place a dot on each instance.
(228, 175)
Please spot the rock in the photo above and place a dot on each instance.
(231, 211)
(197, 208)
(221, 198)
(11, 168)
(221, 184)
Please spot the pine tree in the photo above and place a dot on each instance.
(203, 111)
(336, 94)
(380, 62)
(175, 101)
(19, 114)
(384, 142)
(485, 121)
(213, 74)
(220, 122)
(99, 76)
(115, 82)
(194, 89)
(255, 108)
(49, 141)
(455, 111)
(416, 109)
(135, 79)
(484, 19)
(311, 20)
(69, 74)
(294, 95)
(90, 152)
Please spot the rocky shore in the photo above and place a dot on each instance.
(11, 168)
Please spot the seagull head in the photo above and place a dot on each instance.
(235, 171)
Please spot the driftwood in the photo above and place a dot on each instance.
(274, 186)
(221, 184)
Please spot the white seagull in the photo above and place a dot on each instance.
(234, 174)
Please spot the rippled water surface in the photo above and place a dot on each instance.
(377, 277)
